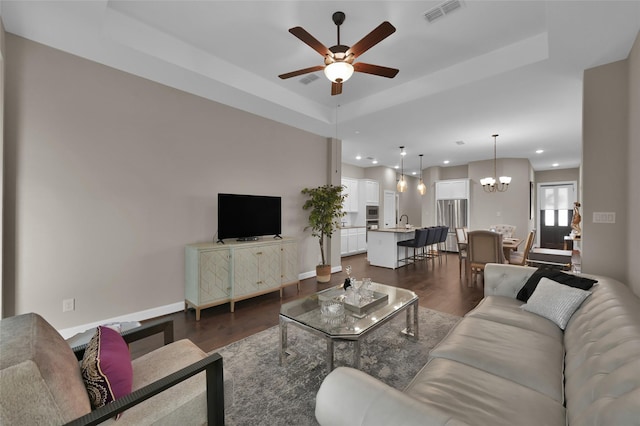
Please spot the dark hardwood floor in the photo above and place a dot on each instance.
(439, 288)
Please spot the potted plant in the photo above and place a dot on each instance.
(325, 206)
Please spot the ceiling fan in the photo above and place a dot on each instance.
(339, 59)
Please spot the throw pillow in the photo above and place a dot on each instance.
(555, 301)
(555, 275)
(106, 367)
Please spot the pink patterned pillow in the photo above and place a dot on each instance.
(106, 367)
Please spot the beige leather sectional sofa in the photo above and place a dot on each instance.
(501, 365)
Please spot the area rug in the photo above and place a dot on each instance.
(265, 393)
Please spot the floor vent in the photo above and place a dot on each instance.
(309, 79)
(442, 9)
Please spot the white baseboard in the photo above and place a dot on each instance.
(156, 312)
(136, 316)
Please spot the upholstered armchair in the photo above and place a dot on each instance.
(41, 381)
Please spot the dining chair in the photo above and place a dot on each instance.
(507, 231)
(520, 258)
(461, 238)
(419, 240)
(483, 247)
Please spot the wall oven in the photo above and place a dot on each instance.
(372, 216)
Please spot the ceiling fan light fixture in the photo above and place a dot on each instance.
(339, 72)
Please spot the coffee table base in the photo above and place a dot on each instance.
(411, 331)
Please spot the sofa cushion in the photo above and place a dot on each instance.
(38, 370)
(602, 363)
(480, 398)
(555, 301)
(529, 358)
(525, 292)
(106, 367)
(507, 310)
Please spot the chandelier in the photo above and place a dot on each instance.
(402, 183)
(421, 186)
(489, 183)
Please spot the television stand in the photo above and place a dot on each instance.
(221, 273)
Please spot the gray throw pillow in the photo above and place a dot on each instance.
(555, 301)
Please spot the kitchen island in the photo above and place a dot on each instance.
(382, 246)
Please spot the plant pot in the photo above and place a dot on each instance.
(323, 273)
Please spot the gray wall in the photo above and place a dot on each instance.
(605, 168)
(109, 175)
(611, 153)
(633, 224)
(2, 73)
(562, 175)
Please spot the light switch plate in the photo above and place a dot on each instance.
(604, 217)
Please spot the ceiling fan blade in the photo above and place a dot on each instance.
(310, 40)
(375, 69)
(381, 32)
(336, 88)
(302, 71)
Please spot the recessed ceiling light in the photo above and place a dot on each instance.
(555, 165)
(446, 161)
(396, 167)
(358, 157)
(414, 173)
(539, 151)
(375, 161)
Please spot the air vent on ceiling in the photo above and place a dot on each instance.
(459, 142)
(309, 78)
(442, 9)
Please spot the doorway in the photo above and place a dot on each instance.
(555, 211)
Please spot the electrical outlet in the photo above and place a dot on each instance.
(68, 305)
(604, 217)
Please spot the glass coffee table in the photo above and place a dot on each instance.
(355, 324)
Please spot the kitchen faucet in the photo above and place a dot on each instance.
(404, 215)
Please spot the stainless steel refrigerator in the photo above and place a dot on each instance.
(452, 213)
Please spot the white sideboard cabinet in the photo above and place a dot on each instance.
(219, 273)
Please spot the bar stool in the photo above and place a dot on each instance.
(432, 237)
(419, 240)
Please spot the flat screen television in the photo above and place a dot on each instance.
(246, 217)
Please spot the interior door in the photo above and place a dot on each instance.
(555, 212)
(389, 213)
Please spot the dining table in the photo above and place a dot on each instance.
(509, 244)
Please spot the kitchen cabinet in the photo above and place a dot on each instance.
(353, 241)
(350, 204)
(219, 273)
(344, 242)
(371, 192)
(362, 240)
(452, 189)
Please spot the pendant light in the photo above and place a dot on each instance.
(421, 186)
(489, 184)
(402, 184)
